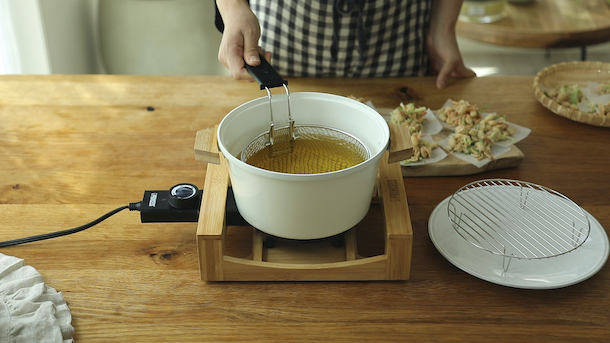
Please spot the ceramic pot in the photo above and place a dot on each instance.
(303, 206)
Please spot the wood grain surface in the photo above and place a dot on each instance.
(75, 147)
(545, 24)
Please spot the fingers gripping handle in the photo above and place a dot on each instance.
(266, 75)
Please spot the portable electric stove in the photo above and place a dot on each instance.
(378, 248)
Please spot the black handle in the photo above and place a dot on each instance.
(266, 75)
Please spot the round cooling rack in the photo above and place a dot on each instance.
(517, 219)
(518, 234)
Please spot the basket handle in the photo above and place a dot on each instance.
(265, 74)
(400, 143)
(206, 146)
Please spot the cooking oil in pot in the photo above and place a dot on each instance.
(313, 153)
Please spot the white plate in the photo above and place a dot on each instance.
(549, 273)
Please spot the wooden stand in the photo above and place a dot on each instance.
(378, 248)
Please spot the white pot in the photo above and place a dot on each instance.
(303, 206)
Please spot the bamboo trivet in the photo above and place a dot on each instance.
(230, 253)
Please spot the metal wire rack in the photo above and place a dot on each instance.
(517, 219)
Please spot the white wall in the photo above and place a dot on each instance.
(62, 36)
(71, 35)
(24, 47)
(159, 37)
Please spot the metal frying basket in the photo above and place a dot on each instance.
(280, 140)
(267, 77)
(303, 132)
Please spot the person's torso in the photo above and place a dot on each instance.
(360, 38)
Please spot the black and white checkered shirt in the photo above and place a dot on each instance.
(352, 38)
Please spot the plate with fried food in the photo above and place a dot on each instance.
(475, 136)
(490, 143)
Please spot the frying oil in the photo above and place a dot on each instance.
(311, 154)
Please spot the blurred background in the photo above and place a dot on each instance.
(177, 37)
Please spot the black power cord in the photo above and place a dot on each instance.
(131, 207)
(178, 204)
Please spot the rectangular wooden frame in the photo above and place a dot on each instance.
(393, 264)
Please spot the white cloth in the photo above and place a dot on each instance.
(30, 311)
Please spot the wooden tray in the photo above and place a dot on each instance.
(572, 73)
(452, 165)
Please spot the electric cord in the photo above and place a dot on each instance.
(132, 207)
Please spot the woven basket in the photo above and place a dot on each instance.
(570, 73)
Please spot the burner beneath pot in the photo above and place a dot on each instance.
(336, 241)
(377, 248)
(364, 240)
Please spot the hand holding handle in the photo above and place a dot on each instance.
(266, 75)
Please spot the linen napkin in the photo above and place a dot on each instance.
(30, 311)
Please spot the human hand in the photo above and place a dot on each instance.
(445, 60)
(239, 42)
(441, 43)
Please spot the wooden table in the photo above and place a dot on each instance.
(75, 147)
(545, 24)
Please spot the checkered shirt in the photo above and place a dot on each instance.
(345, 38)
